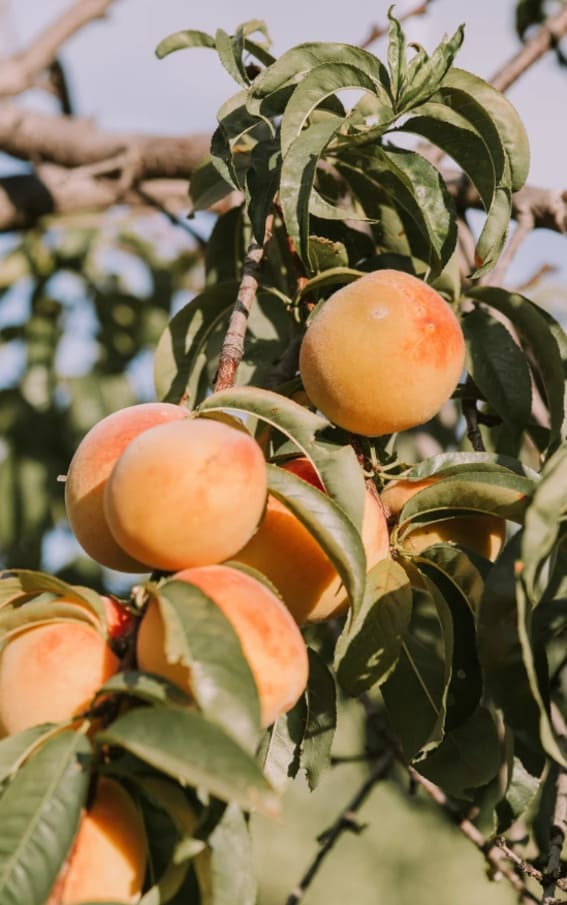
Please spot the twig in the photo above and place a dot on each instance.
(233, 343)
(552, 873)
(471, 417)
(543, 40)
(17, 73)
(346, 821)
(378, 31)
(493, 854)
(524, 866)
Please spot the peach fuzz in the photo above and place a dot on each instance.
(290, 557)
(186, 494)
(108, 859)
(49, 672)
(270, 639)
(90, 469)
(483, 534)
(383, 354)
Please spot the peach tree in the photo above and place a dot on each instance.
(327, 166)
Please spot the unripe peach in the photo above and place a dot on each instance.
(189, 493)
(108, 859)
(290, 557)
(49, 672)
(270, 639)
(90, 469)
(383, 354)
(483, 534)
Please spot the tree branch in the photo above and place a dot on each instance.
(346, 821)
(543, 40)
(233, 343)
(18, 72)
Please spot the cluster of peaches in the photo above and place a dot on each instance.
(154, 488)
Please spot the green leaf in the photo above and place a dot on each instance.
(521, 791)
(224, 252)
(460, 462)
(15, 749)
(297, 176)
(328, 524)
(262, 180)
(334, 276)
(425, 73)
(326, 254)
(39, 814)
(546, 512)
(225, 871)
(145, 687)
(200, 637)
(415, 692)
(180, 356)
(536, 331)
(493, 235)
(229, 49)
(180, 40)
(457, 568)
(369, 647)
(319, 84)
(280, 748)
(194, 752)
(321, 698)
(496, 493)
(499, 368)
(336, 466)
(417, 191)
(504, 115)
(272, 88)
(32, 583)
(208, 185)
(467, 758)
(396, 56)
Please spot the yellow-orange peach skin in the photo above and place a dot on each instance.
(90, 469)
(50, 672)
(290, 557)
(270, 639)
(484, 534)
(189, 493)
(383, 354)
(108, 859)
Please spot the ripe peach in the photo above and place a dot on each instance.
(90, 469)
(49, 672)
(270, 639)
(383, 354)
(484, 534)
(108, 859)
(285, 551)
(119, 618)
(184, 494)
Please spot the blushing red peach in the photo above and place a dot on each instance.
(483, 534)
(49, 672)
(383, 354)
(90, 469)
(270, 639)
(186, 494)
(289, 556)
(108, 859)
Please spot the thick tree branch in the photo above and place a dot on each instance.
(233, 343)
(543, 40)
(18, 72)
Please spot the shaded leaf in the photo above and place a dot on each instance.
(321, 699)
(467, 758)
(547, 509)
(14, 749)
(145, 687)
(225, 870)
(369, 647)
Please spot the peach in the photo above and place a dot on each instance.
(184, 494)
(290, 557)
(108, 859)
(270, 639)
(90, 469)
(383, 354)
(49, 672)
(483, 534)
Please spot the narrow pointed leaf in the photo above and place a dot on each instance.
(194, 752)
(369, 647)
(39, 815)
(546, 512)
(321, 699)
(182, 40)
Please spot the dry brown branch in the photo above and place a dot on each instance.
(543, 40)
(18, 72)
(378, 31)
(233, 342)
